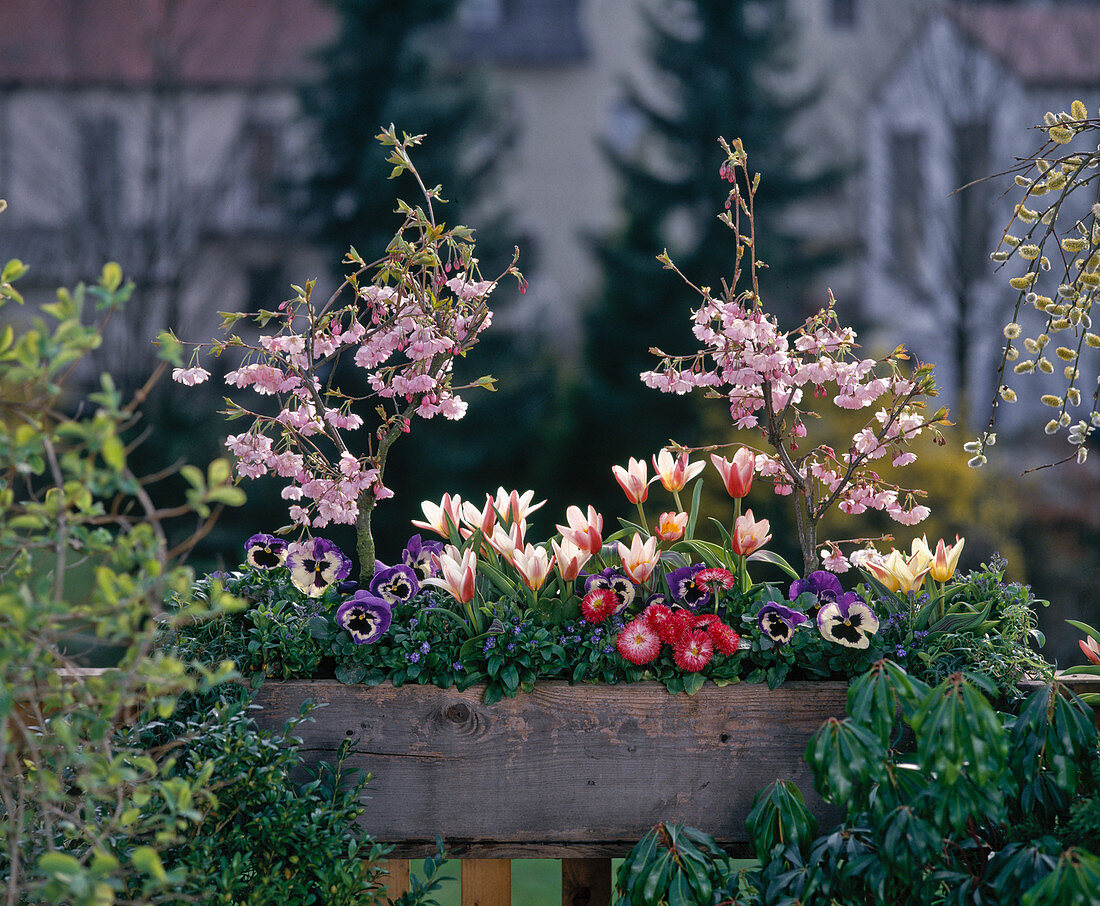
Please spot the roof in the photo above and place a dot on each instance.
(1050, 44)
(139, 42)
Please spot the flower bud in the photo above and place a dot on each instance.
(1049, 399)
(1073, 396)
(1025, 367)
(1012, 330)
(1051, 426)
(1008, 394)
(1028, 252)
(1045, 366)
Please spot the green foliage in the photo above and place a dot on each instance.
(673, 865)
(85, 558)
(944, 801)
(984, 625)
(262, 838)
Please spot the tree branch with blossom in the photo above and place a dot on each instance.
(402, 331)
(764, 372)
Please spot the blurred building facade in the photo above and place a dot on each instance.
(165, 136)
(957, 107)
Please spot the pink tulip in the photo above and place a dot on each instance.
(749, 535)
(570, 558)
(675, 473)
(442, 516)
(515, 507)
(736, 475)
(533, 565)
(1091, 649)
(639, 559)
(459, 574)
(482, 520)
(506, 543)
(671, 526)
(632, 480)
(585, 532)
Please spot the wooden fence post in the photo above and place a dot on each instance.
(486, 882)
(398, 881)
(585, 882)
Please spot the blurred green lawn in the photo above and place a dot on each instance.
(535, 882)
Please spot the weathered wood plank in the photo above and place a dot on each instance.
(580, 769)
(585, 882)
(486, 882)
(398, 881)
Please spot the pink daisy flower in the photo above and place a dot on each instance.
(725, 639)
(694, 651)
(638, 643)
(721, 577)
(599, 604)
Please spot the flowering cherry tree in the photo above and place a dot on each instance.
(409, 315)
(771, 377)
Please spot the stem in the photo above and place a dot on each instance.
(807, 534)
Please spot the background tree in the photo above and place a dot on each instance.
(390, 63)
(723, 62)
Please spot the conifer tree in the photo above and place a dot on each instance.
(392, 62)
(724, 61)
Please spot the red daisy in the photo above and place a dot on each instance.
(694, 651)
(717, 575)
(638, 643)
(599, 604)
(657, 617)
(725, 639)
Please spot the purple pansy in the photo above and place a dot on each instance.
(422, 557)
(265, 551)
(823, 585)
(657, 598)
(848, 621)
(681, 584)
(778, 622)
(315, 564)
(617, 582)
(395, 583)
(365, 617)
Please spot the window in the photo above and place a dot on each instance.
(906, 200)
(263, 163)
(480, 15)
(843, 13)
(974, 211)
(101, 170)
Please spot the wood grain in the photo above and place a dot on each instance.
(585, 882)
(486, 882)
(581, 770)
(398, 881)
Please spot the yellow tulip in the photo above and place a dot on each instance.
(946, 560)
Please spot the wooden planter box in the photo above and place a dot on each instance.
(565, 771)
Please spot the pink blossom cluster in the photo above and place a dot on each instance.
(771, 380)
(746, 357)
(404, 341)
